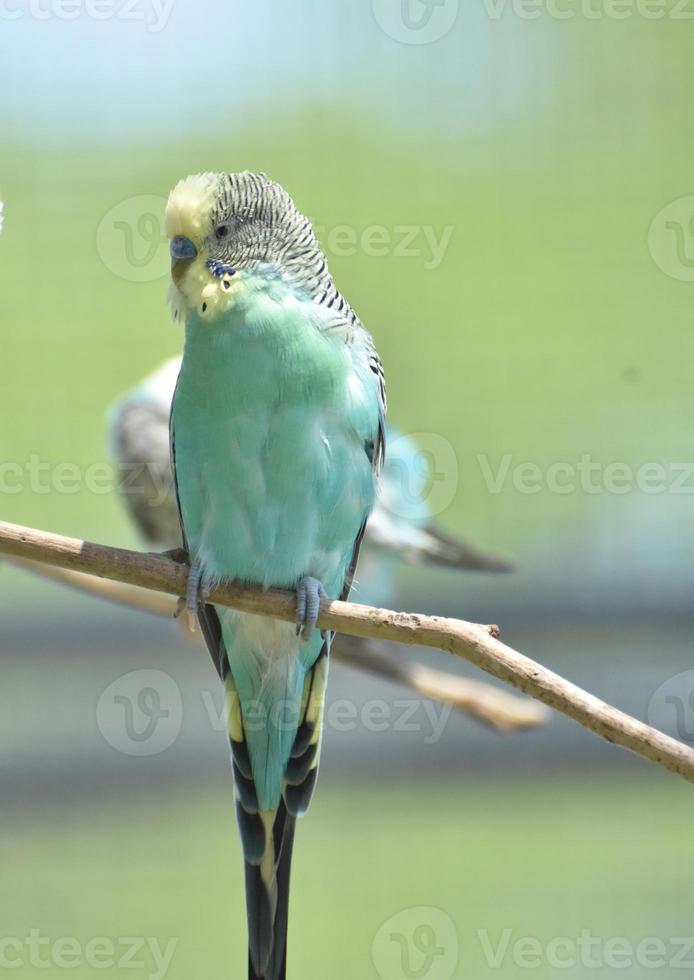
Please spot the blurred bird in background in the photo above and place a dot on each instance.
(138, 430)
(399, 530)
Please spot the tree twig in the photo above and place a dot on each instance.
(485, 704)
(472, 642)
(488, 705)
(120, 593)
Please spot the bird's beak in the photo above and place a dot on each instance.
(183, 251)
(182, 248)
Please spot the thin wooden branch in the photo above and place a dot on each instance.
(120, 593)
(472, 642)
(483, 703)
(488, 705)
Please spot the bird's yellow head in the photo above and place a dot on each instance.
(223, 230)
(190, 227)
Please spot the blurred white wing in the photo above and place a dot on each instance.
(400, 528)
(139, 437)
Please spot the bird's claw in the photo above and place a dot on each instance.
(195, 593)
(309, 593)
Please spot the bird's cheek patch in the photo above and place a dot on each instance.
(217, 297)
(210, 288)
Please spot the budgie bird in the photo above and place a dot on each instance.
(400, 527)
(277, 436)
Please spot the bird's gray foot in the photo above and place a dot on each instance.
(195, 593)
(309, 593)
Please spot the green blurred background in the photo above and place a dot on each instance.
(555, 325)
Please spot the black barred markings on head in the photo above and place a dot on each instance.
(262, 224)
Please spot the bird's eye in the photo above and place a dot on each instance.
(221, 232)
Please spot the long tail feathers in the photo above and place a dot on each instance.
(268, 836)
(267, 897)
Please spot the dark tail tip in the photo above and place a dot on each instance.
(282, 975)
(268, 919)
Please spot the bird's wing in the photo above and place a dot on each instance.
(363, 351)
(440, 547)
(139, 437)
(426, 543)
(376, 368)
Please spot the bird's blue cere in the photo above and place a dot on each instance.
(182, 248)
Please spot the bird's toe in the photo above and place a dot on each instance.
(309, 593)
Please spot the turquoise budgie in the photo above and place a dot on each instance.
(277, 437)
(400, 527)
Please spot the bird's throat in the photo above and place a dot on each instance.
(195, 289)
